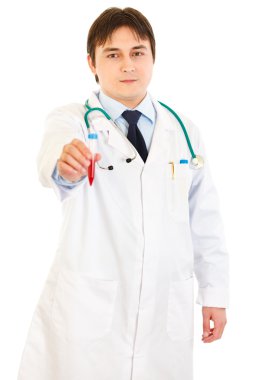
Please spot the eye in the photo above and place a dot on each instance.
(138, 53)
(113, 55)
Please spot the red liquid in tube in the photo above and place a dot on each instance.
(91, 171)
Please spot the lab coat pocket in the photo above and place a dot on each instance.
(178, 185)
(180, 317)
(83, 306)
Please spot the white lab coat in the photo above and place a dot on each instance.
(118, 301)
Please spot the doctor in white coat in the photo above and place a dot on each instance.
(118, 301)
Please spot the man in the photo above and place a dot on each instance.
(118, 301)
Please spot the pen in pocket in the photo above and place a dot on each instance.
(172, 169)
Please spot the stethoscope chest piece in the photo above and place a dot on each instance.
(197, 162)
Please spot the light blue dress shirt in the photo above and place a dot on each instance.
(146, 124)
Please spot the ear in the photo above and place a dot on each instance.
(91, 65)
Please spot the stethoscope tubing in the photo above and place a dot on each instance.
(182, 126)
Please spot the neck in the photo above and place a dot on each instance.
(128, 102)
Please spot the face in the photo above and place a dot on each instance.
(124, 66)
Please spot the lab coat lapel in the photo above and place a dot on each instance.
(163, 146)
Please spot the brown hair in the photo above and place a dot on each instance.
(112, 19)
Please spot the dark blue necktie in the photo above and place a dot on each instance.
(134, 134)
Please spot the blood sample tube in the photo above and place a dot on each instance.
(92, 139)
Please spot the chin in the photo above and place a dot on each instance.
(130, 94)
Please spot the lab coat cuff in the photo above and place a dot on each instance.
(62, 191)
(213, 297)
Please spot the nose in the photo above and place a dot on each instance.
(127, 65)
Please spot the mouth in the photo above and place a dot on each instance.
(128, 81)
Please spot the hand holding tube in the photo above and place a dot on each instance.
(75, 160)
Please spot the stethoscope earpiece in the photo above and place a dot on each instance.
(129, 160)
(110, 167)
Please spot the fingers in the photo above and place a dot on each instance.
(76, 153)
(218, 317)
(75, 160)
(215, 334)
(84, 150)
(206, 326)
(97, 157)
(68, 172)
(81, 147)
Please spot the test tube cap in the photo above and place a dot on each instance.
(92, 136)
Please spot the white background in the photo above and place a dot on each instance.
(203, 69)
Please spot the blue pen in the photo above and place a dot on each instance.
(183, 161)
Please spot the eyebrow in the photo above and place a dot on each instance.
(117, 49)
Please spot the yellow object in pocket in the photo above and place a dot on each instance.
(178, 186)
(172, 169)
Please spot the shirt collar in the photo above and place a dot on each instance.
(115, 108)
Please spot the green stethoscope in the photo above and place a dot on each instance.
(197, 161)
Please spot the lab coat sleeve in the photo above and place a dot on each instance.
(61, 127)
(211, 264)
